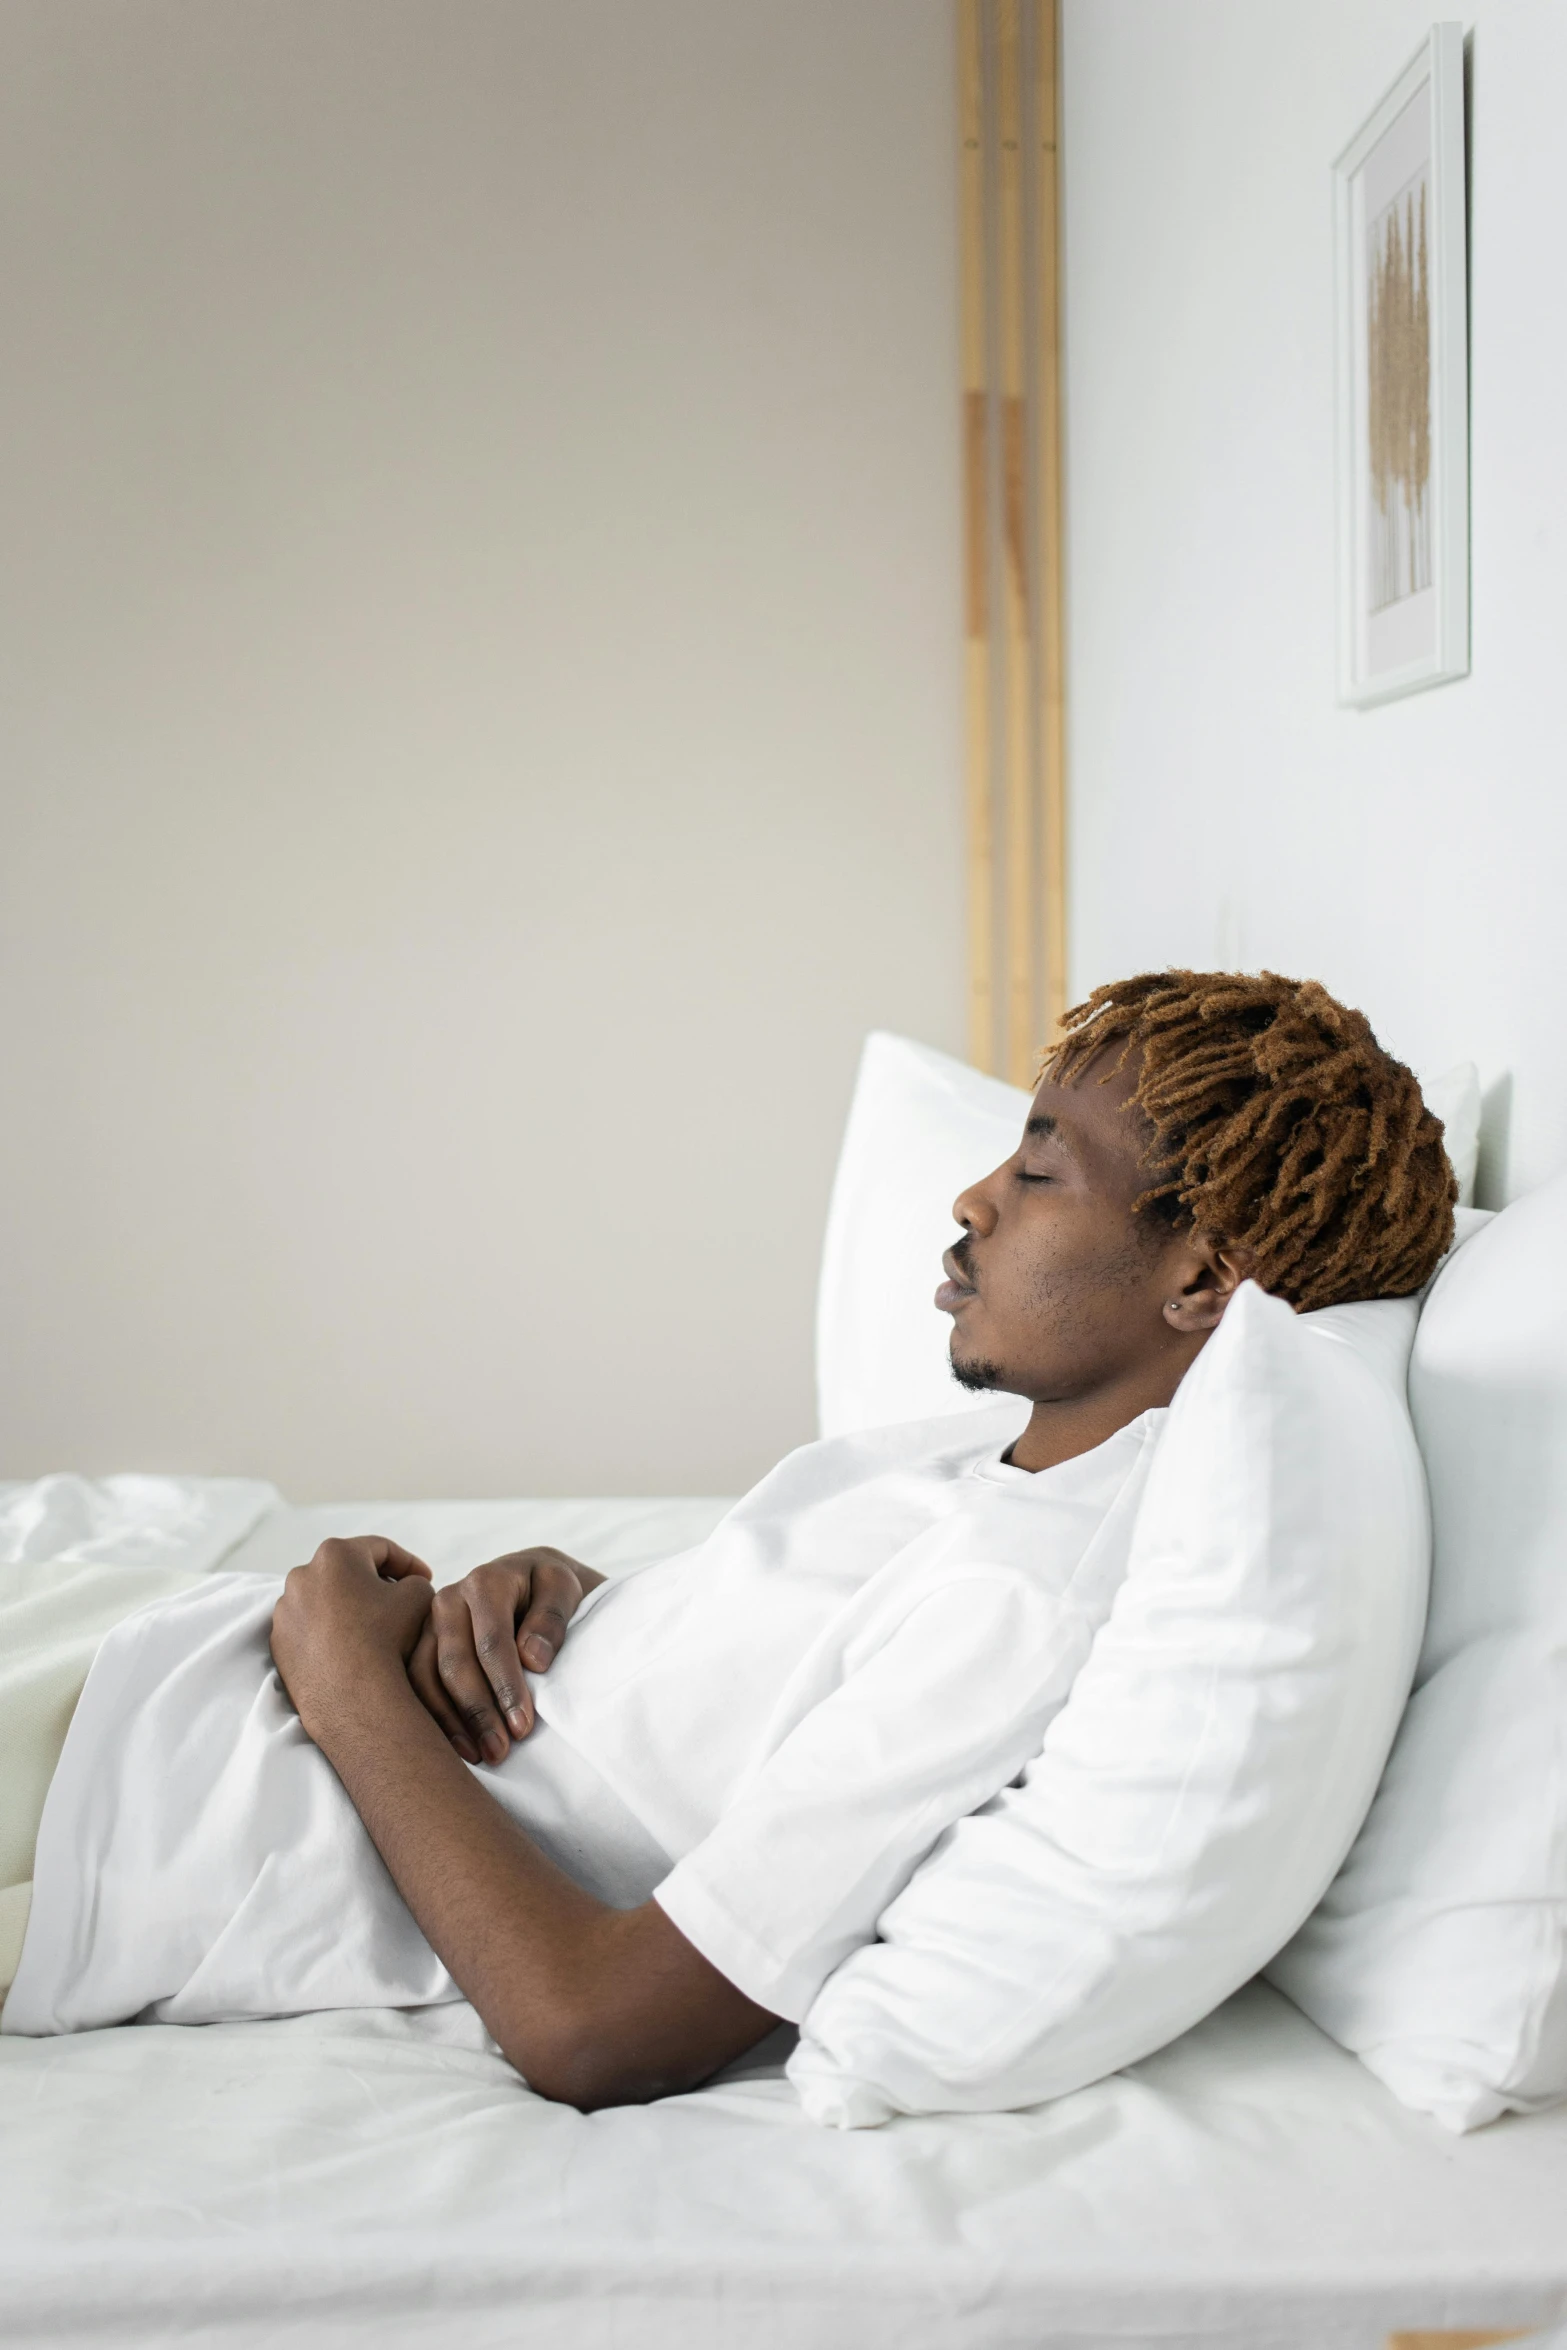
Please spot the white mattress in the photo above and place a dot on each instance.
(378, 2179)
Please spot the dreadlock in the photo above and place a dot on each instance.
(1280, 1124)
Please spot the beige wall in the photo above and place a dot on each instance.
(478, 711)
(1224, 807)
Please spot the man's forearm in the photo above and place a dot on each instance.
(593, 2005)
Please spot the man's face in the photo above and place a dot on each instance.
(1056, 1289)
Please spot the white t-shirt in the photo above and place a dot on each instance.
(870, 1646)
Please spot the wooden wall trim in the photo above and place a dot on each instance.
(976, 521)
(1465, 2339)
(1009, 223)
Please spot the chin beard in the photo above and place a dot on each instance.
(977, 1377)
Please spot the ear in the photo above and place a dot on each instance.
(1206, 1274)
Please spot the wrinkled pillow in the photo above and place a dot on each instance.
(1208, 1773)
(1440, 1954)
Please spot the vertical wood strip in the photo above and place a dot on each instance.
(1464, 2339)
(976, 500)
(1009, 199)
(1047, 473)
(1016, 631)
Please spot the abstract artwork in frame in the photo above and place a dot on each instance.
(1403, 385)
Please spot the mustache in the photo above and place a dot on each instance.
(960, 1254)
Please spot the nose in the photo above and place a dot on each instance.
(975, 1209)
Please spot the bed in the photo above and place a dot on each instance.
(374, 2178)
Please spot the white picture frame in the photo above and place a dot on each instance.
(1403, 385)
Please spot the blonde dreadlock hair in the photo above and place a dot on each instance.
(1280, 1124)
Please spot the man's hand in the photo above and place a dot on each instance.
(484, 1635)
(346, 1622)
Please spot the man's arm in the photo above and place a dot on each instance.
(594, 2006)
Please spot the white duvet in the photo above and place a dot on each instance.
(200, 1862)
(80, 1557)
(77, 1555)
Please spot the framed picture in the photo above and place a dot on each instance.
(1403, 385)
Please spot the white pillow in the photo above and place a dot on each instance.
(1215, 1758)
(922, 1127)
(1440, 1954)
(1455, 1098)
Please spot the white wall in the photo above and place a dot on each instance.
(1223, 808)
(479, 730)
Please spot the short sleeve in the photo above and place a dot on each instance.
(813, 1847)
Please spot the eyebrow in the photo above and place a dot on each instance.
(1044, 1126)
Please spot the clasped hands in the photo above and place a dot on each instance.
(364, 1615)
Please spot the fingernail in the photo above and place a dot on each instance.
(519, 1722)
(494, 1746)
(465, 1748)
(537, 1654)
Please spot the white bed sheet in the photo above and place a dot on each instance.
(352, 2180)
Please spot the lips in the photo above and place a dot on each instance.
(954, 1291)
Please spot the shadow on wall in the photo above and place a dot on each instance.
(1496, 1119)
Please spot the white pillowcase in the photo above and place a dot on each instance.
(1440, 1954)
(1206, 1777)
(1455, 1098)
(921, 1128)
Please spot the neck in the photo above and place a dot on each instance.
(1061, 1427)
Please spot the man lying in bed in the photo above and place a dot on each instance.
(741, 1755)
